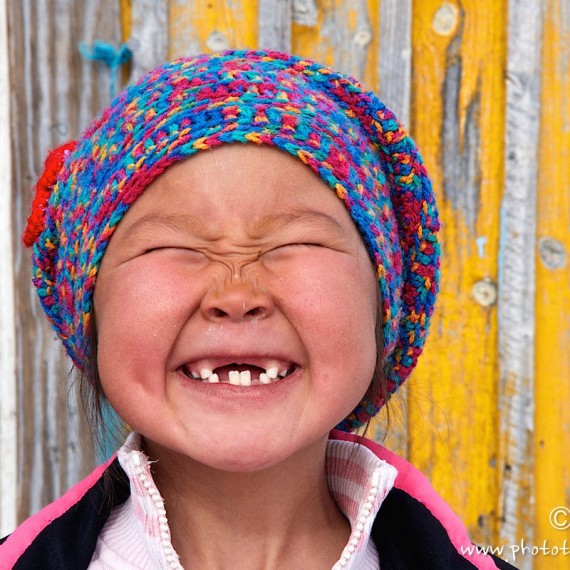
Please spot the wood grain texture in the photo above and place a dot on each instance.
(56, 93)
(8, 423)
(343, 38)
(275, 18)
(457, 119)
(305, 12)
(148, 39)
(395, 56)
(199, 26)
(394, 24)
(517, 273)
(552, 348)
(498, 152)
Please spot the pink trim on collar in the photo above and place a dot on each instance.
(416, 484)
(17, 543)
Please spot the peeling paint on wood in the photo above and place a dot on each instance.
(461, 139)
(446, 19)
(198, 26)
(485, 292)
(305, 12)
(448, 417)
(344, 38)
(552, 252)
(349, 43)
(457, 118)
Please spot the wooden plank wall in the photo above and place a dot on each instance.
(458, 120)
(8, 418)
(54, 94)
(483, 87)
(552, 279)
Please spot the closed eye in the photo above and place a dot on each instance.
(286, 250)
(301, 244)
(171, 248)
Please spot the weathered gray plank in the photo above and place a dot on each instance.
(395, 57)
(149, 35)
(347, 32)
(274, 24)
(517, 270)
(394, 88)
(8, 424)
(305, 12)
(461, 143)
(56, 93)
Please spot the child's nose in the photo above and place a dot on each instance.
(237, 300)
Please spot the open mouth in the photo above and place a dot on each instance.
(239, 373)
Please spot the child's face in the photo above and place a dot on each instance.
(237, 256)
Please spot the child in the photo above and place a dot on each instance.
(234, 308)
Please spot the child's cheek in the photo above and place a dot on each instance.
(140, 309)
(330, 297)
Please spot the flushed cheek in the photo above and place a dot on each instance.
(332, 298)
(331, 302)
(138, 319)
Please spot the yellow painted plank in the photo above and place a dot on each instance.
(125, 9)
(200, 26)
(126, 19)
(458, 95)
(552, 391)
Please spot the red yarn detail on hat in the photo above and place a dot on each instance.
(44, 187)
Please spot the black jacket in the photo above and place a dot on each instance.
(414, 529)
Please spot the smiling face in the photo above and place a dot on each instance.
(241, 266)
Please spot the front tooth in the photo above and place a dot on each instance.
(272, 372)
(245, 378)
(205, 373)
(214, 378)
(264, 379)
(233, 376)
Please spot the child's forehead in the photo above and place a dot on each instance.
(263, 185)
(266, 177)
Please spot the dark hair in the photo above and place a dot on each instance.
(108, 430)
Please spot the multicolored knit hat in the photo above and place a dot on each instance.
(327, 120)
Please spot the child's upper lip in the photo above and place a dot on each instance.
(264, 361)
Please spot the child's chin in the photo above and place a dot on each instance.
(239, 465)
(245, 458)
(253, 452)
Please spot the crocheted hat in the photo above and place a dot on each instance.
(327, 120)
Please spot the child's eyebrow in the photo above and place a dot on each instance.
(184, 222)
(171, 222)
(297, 217)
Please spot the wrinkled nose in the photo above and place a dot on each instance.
(236, 300)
